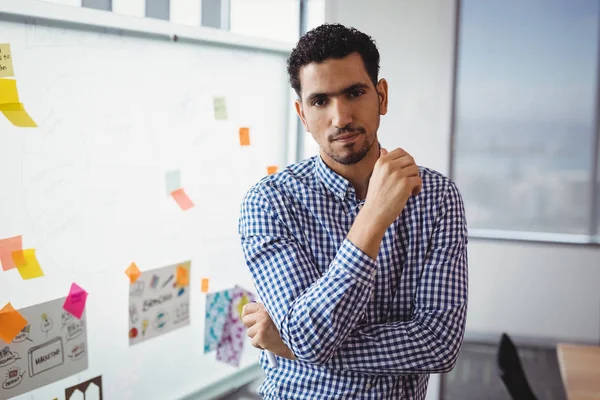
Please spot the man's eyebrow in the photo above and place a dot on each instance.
(351, 88)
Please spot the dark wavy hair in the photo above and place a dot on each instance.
(332, 41)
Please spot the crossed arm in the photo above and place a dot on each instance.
(317, 316)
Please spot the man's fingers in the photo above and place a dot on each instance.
(250, 308)
(249, 320)
(417, 184)
(396, 153)
(251, 332)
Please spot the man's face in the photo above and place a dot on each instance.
(341, 107)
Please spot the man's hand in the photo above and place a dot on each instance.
(394, 179)
(263, 332)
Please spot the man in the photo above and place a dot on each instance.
(359, 255)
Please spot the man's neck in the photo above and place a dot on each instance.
(357, 174)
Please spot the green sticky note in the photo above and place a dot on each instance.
(220, 108)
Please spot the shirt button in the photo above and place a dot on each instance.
(368, 386)
(374, 272)
(373, 295)
(360, 206)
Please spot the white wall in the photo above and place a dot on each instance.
(542, 291)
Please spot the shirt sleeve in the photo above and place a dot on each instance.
(430, 341)
(313, 312)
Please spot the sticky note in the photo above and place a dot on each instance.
(8, 91)
(271, 169)
(75, 301)
(7, 247)
(11, 323)
(204, 285)
(31, 269)
(244, 136)
(220, 105)
(133, 272)
(173, 179)
(243, 301)
(6, 65)
(183, 277)
(182, 199)
(16, 114)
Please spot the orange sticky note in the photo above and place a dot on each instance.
(11, 323)
(183, 276)
(182, 199)
(271, 169)
(204, 285)
(133, 272)
(27, 264)
(7, 247)
(244, 136)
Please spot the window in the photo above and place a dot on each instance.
(525, 132)
(271, 19)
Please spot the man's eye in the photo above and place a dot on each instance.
(319, 102)
(356, 93)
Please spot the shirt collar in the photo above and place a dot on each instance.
(332, 181)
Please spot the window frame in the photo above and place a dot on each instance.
(592, 238)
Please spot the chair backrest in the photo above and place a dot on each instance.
(511, 370)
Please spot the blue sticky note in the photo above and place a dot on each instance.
(173, 179)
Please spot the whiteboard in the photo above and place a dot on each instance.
(86, 189)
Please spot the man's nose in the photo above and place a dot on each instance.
(342, 113)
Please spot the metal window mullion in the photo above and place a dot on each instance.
(595, 201)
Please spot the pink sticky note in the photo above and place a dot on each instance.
(75, 301)
(7, 247)
(182, 199)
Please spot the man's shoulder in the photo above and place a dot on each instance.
(436, 185)
(290, 179)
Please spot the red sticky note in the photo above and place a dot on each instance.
(7, 247)
(271, 169)
(244, 136)
(11, 323)
(133, 272)
(204, 285)
(182, 199)
(75, 301)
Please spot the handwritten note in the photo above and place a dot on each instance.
(244, 136)
(133, 272)
(220, 104)
(7, 247)
(75, 301)
(173, 180)
(6, 65)
(271, 169)
(204, 285)
(182, 199)
(11, 323)
(27, 264)
(232, 342)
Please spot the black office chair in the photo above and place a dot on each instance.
(511, 371)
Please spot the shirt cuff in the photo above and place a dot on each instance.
(356, 263)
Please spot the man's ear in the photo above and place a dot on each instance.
(300, 112)
(382, 91)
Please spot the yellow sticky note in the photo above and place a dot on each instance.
(16, 114)
(243, 301)
(8, 91)
(6, 65)
(133, 272)
(204, 285)
(32, 269)
(183, 276)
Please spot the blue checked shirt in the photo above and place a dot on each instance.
(360, 328)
